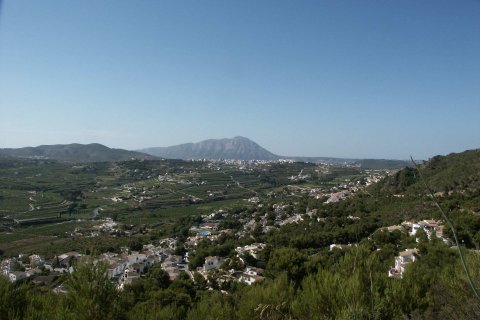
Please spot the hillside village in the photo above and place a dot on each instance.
(242, 266)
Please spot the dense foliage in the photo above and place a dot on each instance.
(352, 285)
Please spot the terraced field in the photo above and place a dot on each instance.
(42, 203)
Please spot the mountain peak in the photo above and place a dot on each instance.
(236, 148)
(241, 138)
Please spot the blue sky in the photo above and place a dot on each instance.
(362, 79)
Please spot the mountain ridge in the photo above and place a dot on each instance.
(237, 148)
(247, 149)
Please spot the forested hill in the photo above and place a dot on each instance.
(458, 172)
(454, 178)
(75, 152)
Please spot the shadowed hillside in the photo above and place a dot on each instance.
(454, 172)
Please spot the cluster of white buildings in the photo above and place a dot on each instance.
(430, 227)
(124, 268)
(23, 267)
(249, 275)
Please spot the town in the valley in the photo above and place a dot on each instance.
(261, 212)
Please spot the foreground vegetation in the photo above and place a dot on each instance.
(351, 285)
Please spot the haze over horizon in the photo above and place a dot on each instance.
(345, 79)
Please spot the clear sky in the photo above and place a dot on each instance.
(361, 79)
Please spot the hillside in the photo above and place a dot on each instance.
(75, 152)
(458, 172)
(454, 178)
(238, 148)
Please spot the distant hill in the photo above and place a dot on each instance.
(328, 160)
(75, 152)
(238, 148)
(382, 163)
(363, 163)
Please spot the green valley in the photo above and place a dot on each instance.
(239, 239)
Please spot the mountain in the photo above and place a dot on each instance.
(238, 148)
(75, 152)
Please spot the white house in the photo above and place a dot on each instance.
(116, 267)
(127, 278)
(36, 260)
(339, 246)
(7, 266)
(116, 264)
(137, 258)
(253, 271)
(415, 228)
(401, 261)
(65, 260)
(251, 275)
(17, 276)
(253, 249)
(212, 263)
